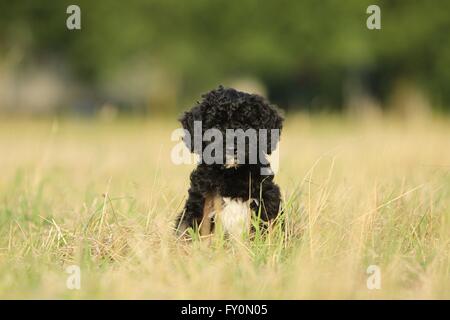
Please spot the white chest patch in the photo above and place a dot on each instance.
(235, 216)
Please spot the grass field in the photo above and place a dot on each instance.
(103, 196)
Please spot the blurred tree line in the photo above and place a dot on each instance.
(307, 54)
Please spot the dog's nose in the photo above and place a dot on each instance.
(230, 151)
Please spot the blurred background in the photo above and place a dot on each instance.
(154, 57)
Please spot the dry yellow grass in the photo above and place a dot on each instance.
(103, 196)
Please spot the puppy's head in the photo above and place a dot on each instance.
(226, 110)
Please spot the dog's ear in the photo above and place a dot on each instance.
(187, 120)
(273, 122)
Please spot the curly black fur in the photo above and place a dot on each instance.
(226, 108)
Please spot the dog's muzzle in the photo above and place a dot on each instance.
(231, 161)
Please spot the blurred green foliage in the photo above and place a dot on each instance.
(304, 52)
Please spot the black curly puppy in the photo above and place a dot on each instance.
(227, 191)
